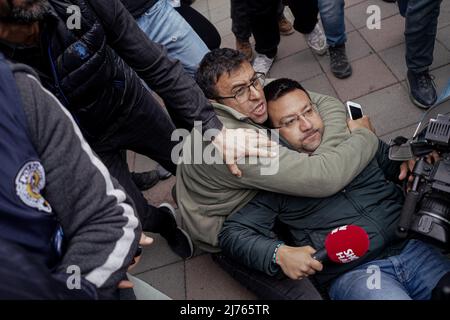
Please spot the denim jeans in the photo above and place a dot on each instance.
(412, 274)
(420, 31)
(164, 25)
(332, 15)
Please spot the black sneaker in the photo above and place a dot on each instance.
(178, 239)
(145, 180)
(422, 89)
(339, 64)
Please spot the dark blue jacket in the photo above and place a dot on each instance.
(25, 216)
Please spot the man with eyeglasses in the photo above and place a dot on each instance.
(407, 269)
(207, 195)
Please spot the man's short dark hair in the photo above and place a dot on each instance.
(213, 65)
(278, 88)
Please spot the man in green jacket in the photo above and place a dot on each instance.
(207, 193)
(404, 269)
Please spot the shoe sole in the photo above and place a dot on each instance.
(320, 52)
(172, 211)
(417, 103)
(343, 75)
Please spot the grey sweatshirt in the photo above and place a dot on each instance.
(99, 222)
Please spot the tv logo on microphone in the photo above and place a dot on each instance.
(347, 256)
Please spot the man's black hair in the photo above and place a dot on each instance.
(213, 65)
(278, 88)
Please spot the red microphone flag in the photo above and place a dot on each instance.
(347, 243)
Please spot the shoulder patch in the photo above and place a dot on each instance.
(30, 181)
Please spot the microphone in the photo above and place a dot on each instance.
(344, 245)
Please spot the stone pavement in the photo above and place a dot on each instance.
(377, 83)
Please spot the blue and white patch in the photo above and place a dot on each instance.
(30, 181)
(81, 50)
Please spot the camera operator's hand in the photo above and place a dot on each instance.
(405, 168)
(297, 262)
(144, 241)
(363, 122)
(433, 157)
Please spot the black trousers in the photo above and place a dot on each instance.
(146, 130)
(240, 22)
(420, 31)
(267, 287)
(264, 21)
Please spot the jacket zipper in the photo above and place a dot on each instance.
(55, 75)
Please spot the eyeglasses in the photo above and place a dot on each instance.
(306, 115)
(242, 94)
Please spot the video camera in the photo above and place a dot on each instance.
(426, 211)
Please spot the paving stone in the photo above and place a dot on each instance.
(395, 59)
(358, 14)
(444, 14)
(290, 45)
(369, 74)
(349, 27)
(390, 34)
(143, 163)
(443, 35)
(206, 280)
(320, 84)
(389, 109)
(441, 77)
(213, 4)
(350, 3)
(200, 5)
(300, 66)
(220, 13)
(131, 156)
(224, 27)
(169, 280)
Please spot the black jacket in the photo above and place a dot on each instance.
(96, 71)
(372, 201)
(138, 7)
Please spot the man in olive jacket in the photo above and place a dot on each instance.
(207, 194)
(407, 269)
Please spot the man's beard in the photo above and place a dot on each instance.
(31, 11)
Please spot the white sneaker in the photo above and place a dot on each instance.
(262, 63)
(317, 41)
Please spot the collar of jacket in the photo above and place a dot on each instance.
(226, 111)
